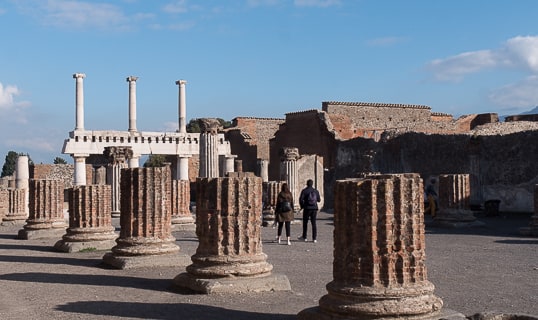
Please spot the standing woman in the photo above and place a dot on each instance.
(284, 211)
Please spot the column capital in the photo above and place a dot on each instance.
(180, 82)
(79, 75)
(131, 78)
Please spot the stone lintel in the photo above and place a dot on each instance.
(271, 282)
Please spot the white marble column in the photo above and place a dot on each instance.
(209, 153)
(289, 171)
(229, 164)
(132, 103)
(80, 169)
(134, 162)
(79, 102)
(182, 171)
(263, 166)
(182, 106)
(22, 176)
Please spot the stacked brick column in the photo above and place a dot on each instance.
(454, 199)
(4, 203)
(46, 218)
(379, 266)
(271, 189)
(229, 257)
(182, 218)
(16, 205)
(145, 238)
(90, 221)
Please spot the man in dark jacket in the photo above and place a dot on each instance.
(308, 200)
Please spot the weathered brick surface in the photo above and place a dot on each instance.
(454, 191)
(180, 202)
(145, 218)
(4, 202)
(46, 205)
(379, 251)
(228, 226)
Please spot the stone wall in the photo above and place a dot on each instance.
(63, 172)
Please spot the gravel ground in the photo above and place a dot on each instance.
(490, 268)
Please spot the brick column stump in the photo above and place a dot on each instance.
(454, 202)
(182, 218)
(379, 269)
(229, 257)
(46, 219)
(271, 190)
(16, 203)
(145, 238)
(90, 222)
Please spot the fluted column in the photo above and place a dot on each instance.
(454, 198)
(117, 157)
(263, 167)
(182, 106)
(90, 222)
(15, 214)
(229, 256)
(132, 103)
(209, 156)
(46, 219)
(289, 171)
(379, 266)
(79, 100)
(145, 239)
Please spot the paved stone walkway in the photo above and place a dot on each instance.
(490, 268)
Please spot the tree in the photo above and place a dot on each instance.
(10, 164)
(194, 127)
(59, 160)
(155, 160)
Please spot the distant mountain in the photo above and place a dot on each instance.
(533, 111)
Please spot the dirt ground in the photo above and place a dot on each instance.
(489, 268)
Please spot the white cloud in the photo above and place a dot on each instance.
(316, 3)
(179, 6)
(520, 52)
(517, 96)
(9, 106)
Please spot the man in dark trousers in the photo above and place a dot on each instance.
(308, 200)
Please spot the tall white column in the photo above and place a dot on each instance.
(79, 100)
(22, 176)
(182, 167)
(289, 171)
(80, 170)
(134, 162)
(229, 164)
(132, 103)
(182, 107)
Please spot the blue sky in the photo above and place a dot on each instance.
(256, 58)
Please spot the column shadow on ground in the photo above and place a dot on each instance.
(163, 311)
(90, 280)
(52, 260)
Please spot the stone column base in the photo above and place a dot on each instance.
(158, 260)
(271, 282)
(456, 218)
(98, 245)
(14, 220)
(316, 313)
(32, 234)
(183, 223)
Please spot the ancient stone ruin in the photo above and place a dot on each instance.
(229, 257)
(145, 237)
(90, 220)
(379, 269)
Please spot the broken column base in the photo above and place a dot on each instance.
(99, 245)
(185, 223)
(271, 282)
(456, 218)
(11, 220)
(158, 260)
(316, 313)
(32, 234)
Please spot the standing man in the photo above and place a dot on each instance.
(308, 200)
